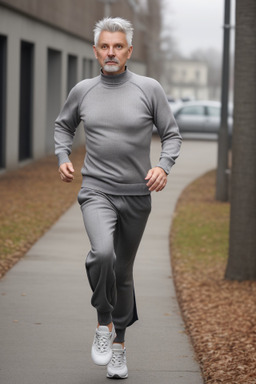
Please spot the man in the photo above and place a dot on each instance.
(118, 109)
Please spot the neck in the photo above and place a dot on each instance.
(115, 78)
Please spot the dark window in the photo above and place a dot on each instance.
(3, 76)
(72, 72)
(53, 95)
(87, 68)
(91, 62)
(26, 100)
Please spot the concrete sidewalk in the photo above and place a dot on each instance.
(47, 322)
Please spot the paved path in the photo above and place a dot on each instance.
(47, 322)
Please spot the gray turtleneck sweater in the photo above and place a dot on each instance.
(118, 113)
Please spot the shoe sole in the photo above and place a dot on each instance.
(117, 377)
(101, 364)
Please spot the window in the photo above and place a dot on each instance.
(53, 95)
(192, 110)
(3, 76)
(87, 68)
(213, 111)
(26, 100)
(72, 72)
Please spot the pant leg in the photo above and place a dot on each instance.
(132, 219)
(100, 219)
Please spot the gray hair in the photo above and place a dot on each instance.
(116, 24)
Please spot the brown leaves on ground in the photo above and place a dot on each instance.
(32, 199)
(220, 315)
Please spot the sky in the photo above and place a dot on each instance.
(197, 23)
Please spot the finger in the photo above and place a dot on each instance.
(66, 177)
(68, 180)
(70, 167)
(66, 172)
(152, 177)
(159, 184)
(66, 168)
(153, 183)
(155, 176)
(149, 174)
(69, 176)
(62, 176)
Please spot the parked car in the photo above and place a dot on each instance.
(201, 117)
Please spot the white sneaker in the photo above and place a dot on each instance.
(102, 345)
(117, 368)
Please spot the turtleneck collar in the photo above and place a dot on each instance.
(119, 79)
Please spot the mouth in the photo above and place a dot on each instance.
(111, 62)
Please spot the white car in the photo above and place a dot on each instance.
(201, 117)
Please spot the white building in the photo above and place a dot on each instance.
(186, 79)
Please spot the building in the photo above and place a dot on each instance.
(186, 79)
(45, 49)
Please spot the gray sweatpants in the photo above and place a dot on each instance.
(115, 225)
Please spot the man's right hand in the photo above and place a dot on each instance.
(66, 171)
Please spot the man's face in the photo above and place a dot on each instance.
(112, 52)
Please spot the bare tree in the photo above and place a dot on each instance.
(242, 251)
(168, 43)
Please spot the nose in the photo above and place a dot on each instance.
(111, 51)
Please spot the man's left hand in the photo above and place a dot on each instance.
(157, 179)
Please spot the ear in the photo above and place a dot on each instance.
(95, 51)
(130, 51)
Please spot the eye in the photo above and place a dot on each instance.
(104, 46)
(119, 46)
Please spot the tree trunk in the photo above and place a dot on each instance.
(242, 248)
(153, 39)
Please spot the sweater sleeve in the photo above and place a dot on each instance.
(167, 129)
(65, 127)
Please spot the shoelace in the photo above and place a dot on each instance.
(102, 341)
(118, 358)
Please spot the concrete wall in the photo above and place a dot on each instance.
(78, 17)
(59, 59)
